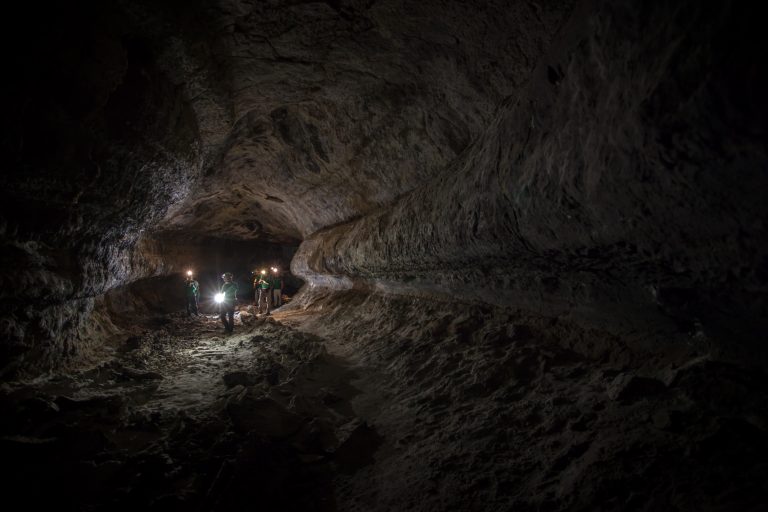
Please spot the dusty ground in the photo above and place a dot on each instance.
(482, 408)
(362, 402)
(185, 417)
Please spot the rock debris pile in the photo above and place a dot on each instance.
(484, 408)
(189, 419)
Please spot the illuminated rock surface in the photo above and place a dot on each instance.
(532, 237)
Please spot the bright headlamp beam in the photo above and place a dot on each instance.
(219, 297)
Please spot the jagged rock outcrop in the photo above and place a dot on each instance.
(97, 147)
(607, 188)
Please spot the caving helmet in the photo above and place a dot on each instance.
(226, 275)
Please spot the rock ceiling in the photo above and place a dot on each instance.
(313, 113)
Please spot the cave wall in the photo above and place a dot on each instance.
(618, 186)
(602, 167)
(236, 120)
(533, 237)
(99, 143)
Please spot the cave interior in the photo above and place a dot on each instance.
(524, 248)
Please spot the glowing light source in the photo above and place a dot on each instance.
(189, 273)
(263, 272)
(219, 297)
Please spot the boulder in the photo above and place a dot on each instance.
(630, 388)
(262, 416)
(241, 378)
(358, 443)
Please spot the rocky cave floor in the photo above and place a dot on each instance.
(186, 417)
(362, 402)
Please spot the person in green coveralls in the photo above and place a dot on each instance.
(276, 281)
(262, 290)
(226, 299)
(192, 294)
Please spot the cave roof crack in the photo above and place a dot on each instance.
(282, 58)
(536, 8)
(364, 72)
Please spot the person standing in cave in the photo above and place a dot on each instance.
(256, 288)
(192, 294)
(228, 294)
(262, 291)
(277, 287)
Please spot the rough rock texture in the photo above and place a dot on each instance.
(533, 235)
(123, 436)
(98, 144)
(489, 408)
(230, 120)
(607, 188)
(340, 107)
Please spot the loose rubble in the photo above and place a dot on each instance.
(184, 415)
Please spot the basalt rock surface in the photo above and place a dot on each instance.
(227, 120)
(533, 237)
(492, 408)
(605, 189)
(340, 107)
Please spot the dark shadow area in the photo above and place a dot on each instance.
(209, 258)
(183, 419)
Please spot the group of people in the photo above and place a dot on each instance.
(268, 293)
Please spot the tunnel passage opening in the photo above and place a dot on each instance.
(149, 302)
(209, 257)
